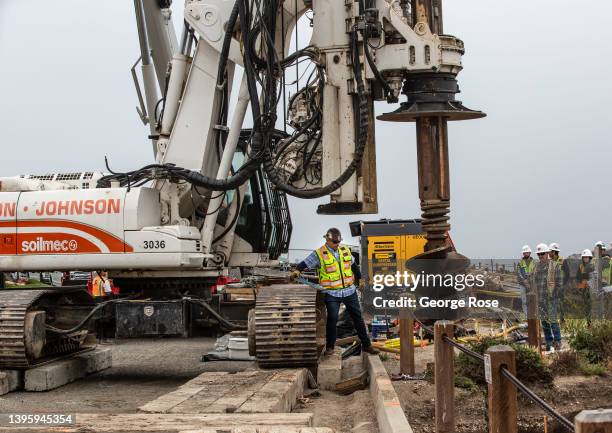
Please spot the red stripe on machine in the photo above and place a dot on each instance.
(114, 244)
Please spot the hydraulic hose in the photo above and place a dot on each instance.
(362, 139)
(222, 320)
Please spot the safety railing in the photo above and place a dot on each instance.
(500, 374)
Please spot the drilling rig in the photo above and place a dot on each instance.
(215, 194)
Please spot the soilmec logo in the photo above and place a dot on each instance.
(40, 245)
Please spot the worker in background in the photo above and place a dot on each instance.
(583, 277)
(101, 285)
(525, 268)
(555, 249)
(546, 280)
(333, 263)
(606, 266)
(606, 277)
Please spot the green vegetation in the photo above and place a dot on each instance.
(31, 284)
(593, 342)
(466, 383)
(592, 369)
(530, 367)
(570, 362)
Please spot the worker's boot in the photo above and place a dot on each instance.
(371, 350)
(557, 345)
(328, 352)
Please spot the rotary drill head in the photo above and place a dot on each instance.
(431, 104)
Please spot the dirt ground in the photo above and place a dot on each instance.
(344, 413)
(569, 395)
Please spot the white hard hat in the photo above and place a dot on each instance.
(587, 253)
(542, 248)
(526, 249)
(600, 244)
(554, 247)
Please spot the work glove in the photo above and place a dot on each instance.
(295, 274)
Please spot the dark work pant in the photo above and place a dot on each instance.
(354, 309)
(551, 331)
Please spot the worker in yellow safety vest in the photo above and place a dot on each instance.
(334, 265)
(525, 269)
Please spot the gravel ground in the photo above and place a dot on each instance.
(143, 369)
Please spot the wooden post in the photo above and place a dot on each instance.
(406, 325)
(502, 403)
(596, 286)
(444, 376)
(594, 421)
(533, 324)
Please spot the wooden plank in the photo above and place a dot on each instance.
(238, 389)
(279, 394)
(172, 423)
(353, 384)
(346, 340)
(166, 402)
(264, 429)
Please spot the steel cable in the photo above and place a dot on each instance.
(537, 400)
(519, 385)
(463, 349)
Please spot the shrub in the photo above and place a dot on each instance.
(594, 342)
(529, 365)
(565, 363)
(465, 383)
(592, 369)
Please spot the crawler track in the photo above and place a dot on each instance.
(286, 326)
(24, 341)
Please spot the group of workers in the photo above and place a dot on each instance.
(549, 278)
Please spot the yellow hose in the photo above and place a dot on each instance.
(392, 345)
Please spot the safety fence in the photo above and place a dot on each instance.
(500, 374)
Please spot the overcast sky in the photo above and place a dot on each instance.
(537, 169)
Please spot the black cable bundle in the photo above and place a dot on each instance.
(266, 69)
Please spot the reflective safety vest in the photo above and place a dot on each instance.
(334, 275)
(527, 266)
(606, 272)
(583, 283)
(97, 287)
(560, 261)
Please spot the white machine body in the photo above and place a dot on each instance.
(57, 222)
(111, 228)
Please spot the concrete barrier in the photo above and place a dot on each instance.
(61, 372)
(10, 380)
(389, 412)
